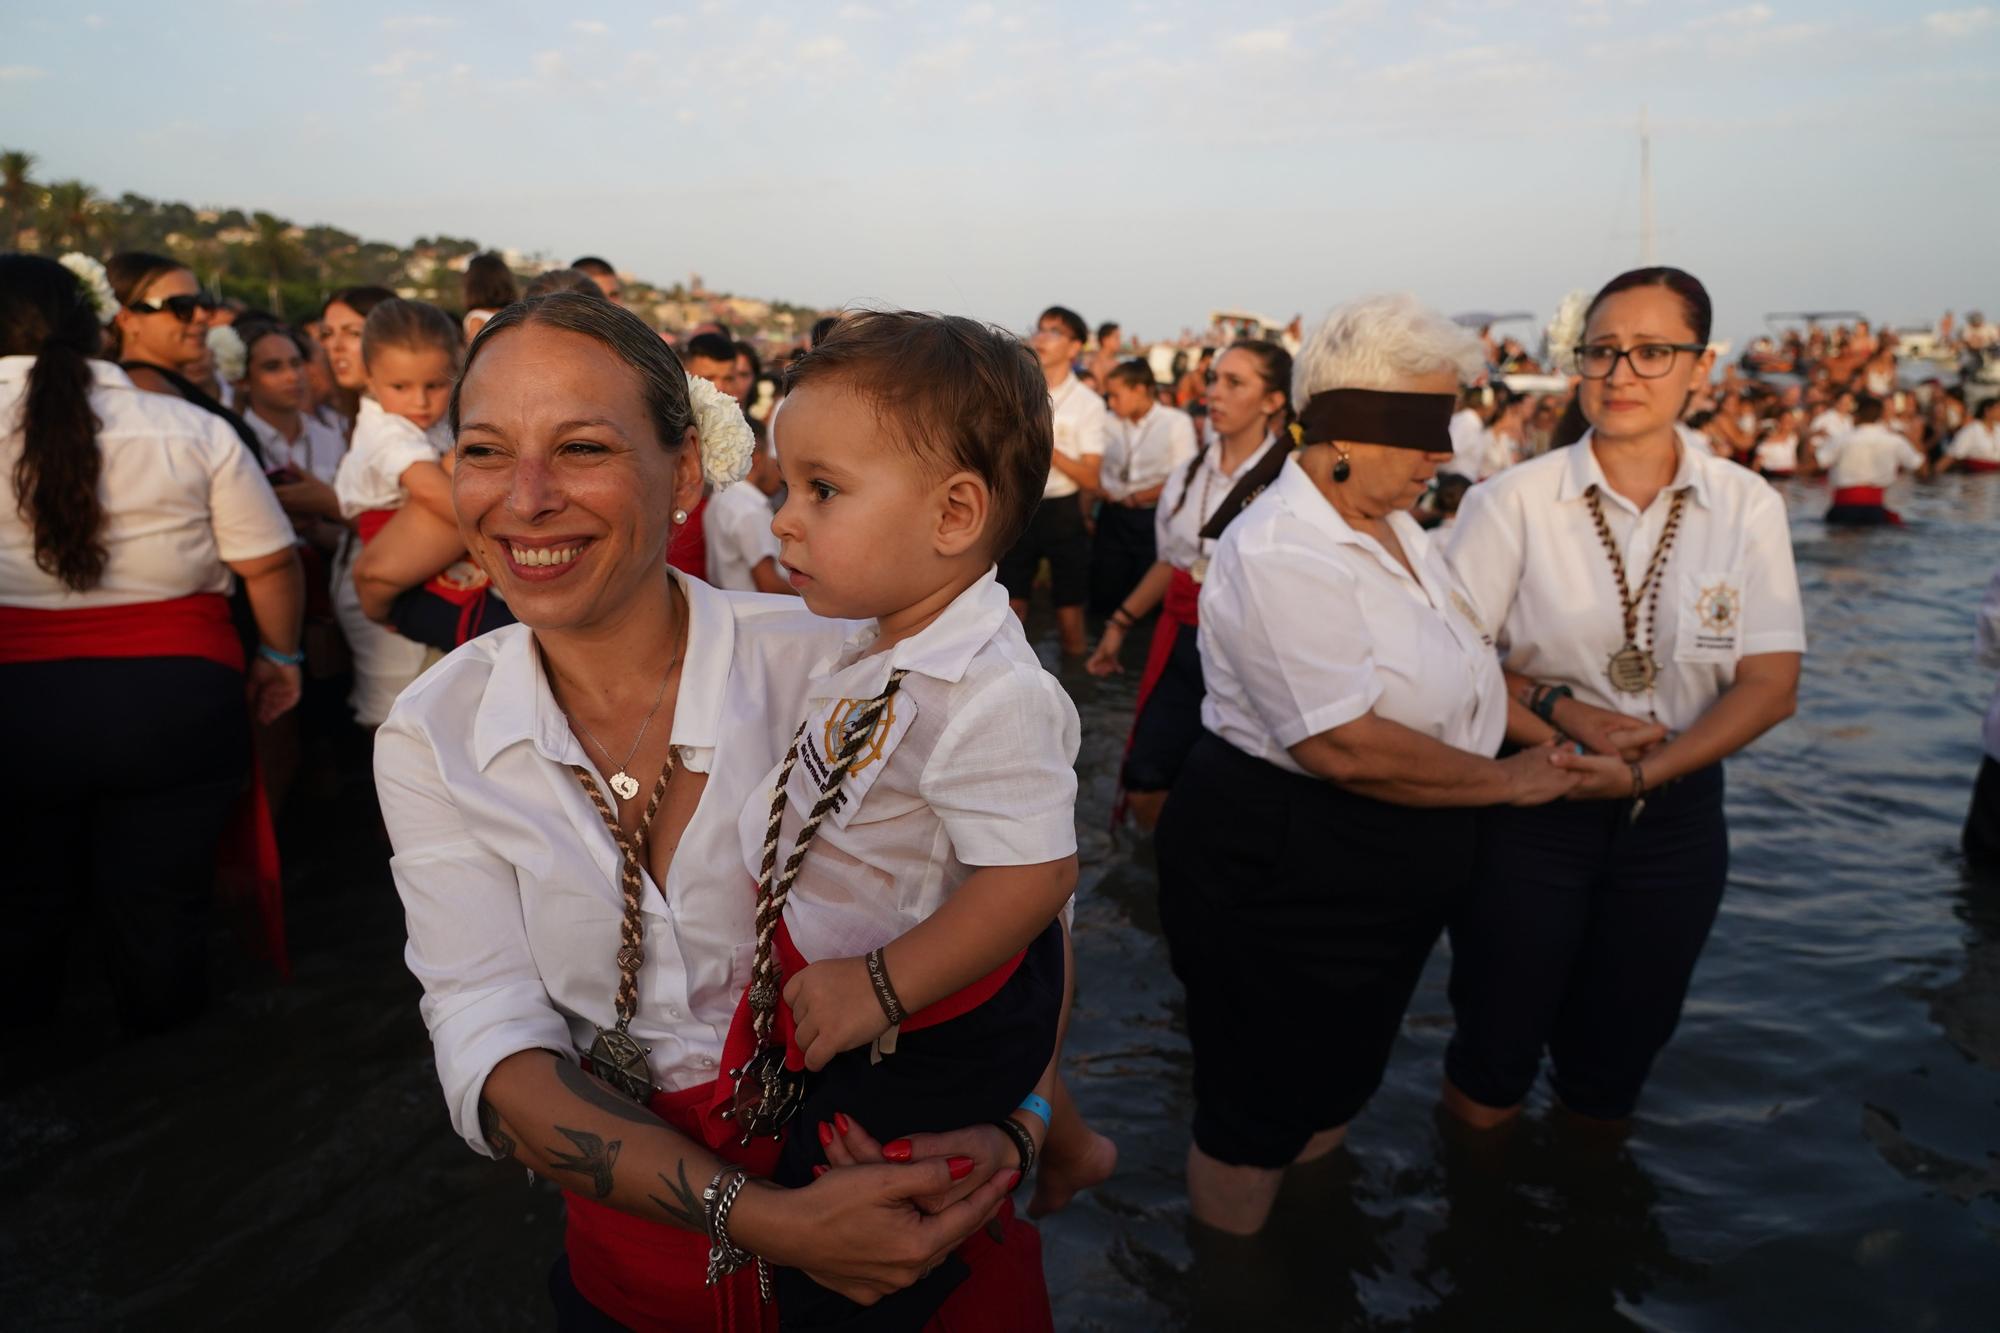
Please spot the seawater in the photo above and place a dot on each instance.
(1819, 1148)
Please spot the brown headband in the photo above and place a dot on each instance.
(1377, 416)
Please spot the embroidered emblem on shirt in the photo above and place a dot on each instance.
(836, 730)
(1718, 606)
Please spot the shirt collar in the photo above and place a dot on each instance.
(1583, 472)
(942, 650)
(1298, 493)
(519, 705)
(103, 374)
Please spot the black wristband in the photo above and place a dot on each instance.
(1023, 1140)
(1543, 701)
(878, 973)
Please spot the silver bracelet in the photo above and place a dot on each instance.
(724, 1255)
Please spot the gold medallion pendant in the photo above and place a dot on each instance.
(1632, 670)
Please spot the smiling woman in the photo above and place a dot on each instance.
(563, 796)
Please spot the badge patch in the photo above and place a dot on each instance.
(826, 730)
(1711, 617)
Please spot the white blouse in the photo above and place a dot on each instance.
(385, 446)
(1531, 558)
(1177, 526)
(1139, 455)
(316, 453)
(1975, 442)
(973, 763)
(1986, 651)
(1080, 420)
(1870, 455)
(181, 497)
(510, 881)
(1307, 624)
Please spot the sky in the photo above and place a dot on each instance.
(1143, 162)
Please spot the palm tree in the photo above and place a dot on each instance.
(16, 190)
(277, 253)
(71, 212)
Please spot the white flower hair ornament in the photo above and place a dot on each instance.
(726, 441)
(1565, 331)
(232, 358)
(103, 301)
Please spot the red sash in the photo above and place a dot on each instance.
(1179, 609)
(1863, 497)
(650, 1276)
(1978, 465)
(194, 626)
(688, 551)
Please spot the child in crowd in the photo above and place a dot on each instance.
(922, 958)
(411, 352)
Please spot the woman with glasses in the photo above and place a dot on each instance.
(1644, 601)
(160, 334)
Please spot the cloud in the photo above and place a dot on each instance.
(418, 23)
(857, 14)
(671, 21)
(976, 15)
(1260, 42)
(822, 50)
(398, 64)
(590, 27)
(1959, 22)
(1749, 16)
(93, 20)
(21, 73)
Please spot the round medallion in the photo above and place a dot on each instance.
(1632, 670)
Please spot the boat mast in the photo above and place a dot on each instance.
(1646, 259)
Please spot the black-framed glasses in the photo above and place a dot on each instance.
(181, 308)
(1649, 361)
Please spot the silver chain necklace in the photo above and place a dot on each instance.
(621, 782)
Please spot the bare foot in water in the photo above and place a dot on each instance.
(1062, 1174)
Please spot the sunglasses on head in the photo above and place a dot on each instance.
(181, 308)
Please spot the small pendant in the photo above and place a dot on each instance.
(625, 785)
(621, 1061)
(1198, 571)
(767, 1094)
(1632, 670)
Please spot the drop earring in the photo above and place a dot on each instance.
(1341, 469)
(680, 517)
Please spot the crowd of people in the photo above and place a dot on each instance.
(732, 811)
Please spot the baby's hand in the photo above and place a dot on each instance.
(834, 1009)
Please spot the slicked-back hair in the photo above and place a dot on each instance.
(663, 384)
(410, 325)
(1694, 297)
(959, 394)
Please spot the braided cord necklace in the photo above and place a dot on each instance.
(615, 1055)
(767, 1093)
(1633, 669)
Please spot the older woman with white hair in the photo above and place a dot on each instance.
(1353, 713)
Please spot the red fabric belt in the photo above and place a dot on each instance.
(462, 583)
(1978, 465)
(1859, 495)
(1181, 609)
(197, 625)
(371, 521)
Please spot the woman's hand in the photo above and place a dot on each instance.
(1103, 660)
(272, 688)
(834, 1008)
(856, 1231)
(1606, 731)
(1599, 777)
(1535, 777)
(980, 1151)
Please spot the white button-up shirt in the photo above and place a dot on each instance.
(1080, 419)
(1139, 455)
(181, 496)
(1530, 556)
(1870, 455)
(510, 880)
(1190, 499)
(973, 763)
(1468, 445)
(1975, 442)
(1307, 624)
(316, 453)
(736, 527)
(385, 446)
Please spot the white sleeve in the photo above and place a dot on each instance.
(746, 529)
(1090, 431)
(1003, 775)
(1774, 619)
(245, 516)
(1302, 674)
(1912, 459)
(1181, 444)
(1485, 551)
(483, 994)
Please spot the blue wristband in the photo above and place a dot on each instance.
(270, 654)
(1039, 1105)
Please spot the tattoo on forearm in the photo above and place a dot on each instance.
(602, 1098)
(685, 1208)
(593, 1158)
(498, 1139)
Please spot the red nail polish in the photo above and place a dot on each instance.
(842, 1123)
(1013, 1179)
(819, 1171)
(899, 1151)
(961, 1167)
(825, 1135)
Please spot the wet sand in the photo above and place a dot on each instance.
(1818, 1149)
